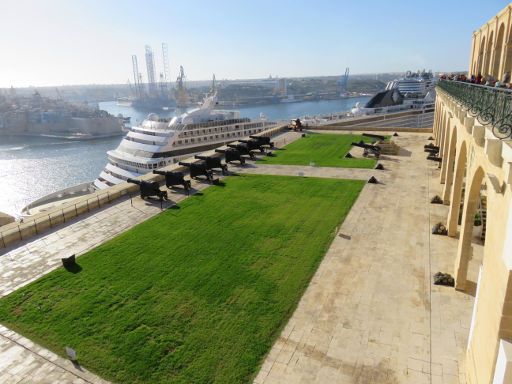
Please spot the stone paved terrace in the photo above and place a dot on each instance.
(370, 314)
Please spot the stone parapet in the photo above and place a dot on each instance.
(38, 223)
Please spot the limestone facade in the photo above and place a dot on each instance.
(491, 47)
(476, 171)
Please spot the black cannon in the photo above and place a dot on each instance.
(431, 146)
(263, 140)
(231, 154)
(199, 168)
(242, 148)
(368, 148)
(214, 162)
(435, 158)
(173, 178)
(253, 145)
(149, 188)
(380, 137)
(432, 151)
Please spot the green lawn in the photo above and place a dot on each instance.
(196, 294)
(324, 150)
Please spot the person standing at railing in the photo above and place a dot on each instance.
(479, 79)
(506, 78)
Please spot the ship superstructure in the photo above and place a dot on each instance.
(157, 142)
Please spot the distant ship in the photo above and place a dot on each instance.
(413, 91)
(158, 142)
(45, 117)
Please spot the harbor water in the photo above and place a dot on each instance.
(31, 168)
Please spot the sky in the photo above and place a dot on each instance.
(64, 42)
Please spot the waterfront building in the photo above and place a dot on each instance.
(473, 127)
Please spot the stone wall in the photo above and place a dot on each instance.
(471, 158)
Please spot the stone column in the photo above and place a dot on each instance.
(439, 132)
(443, 151)
(450, 165)
(456, 191)
(465, 249)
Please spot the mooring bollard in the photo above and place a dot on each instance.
(50, 219)
(63, 217)
(76, 211)
(35, 225)
(3, 241)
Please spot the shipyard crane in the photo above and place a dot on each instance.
(182, 96)
(59, 96)
(150, 67)
(342, 83)
(165, 58)
(213, 88)
(137, 77)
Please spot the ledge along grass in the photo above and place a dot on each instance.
(322, 149)
(193, 295)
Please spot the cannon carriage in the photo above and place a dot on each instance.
(173, 178)
(242, 148)
(263, 141)
(369, 149)
(231, 154)
(149, 189)
(214, 162)
(253, 145)
(199, 168)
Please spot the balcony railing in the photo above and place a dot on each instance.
(489, 105)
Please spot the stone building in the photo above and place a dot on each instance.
(491, 48)
(473, 127)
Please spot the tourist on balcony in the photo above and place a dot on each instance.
(506, 77)
(479, 79)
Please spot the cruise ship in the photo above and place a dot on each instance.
(416, 90)
(158, 142)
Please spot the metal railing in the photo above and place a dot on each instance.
(491, 106)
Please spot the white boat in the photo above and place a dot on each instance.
(413, 91)
(158, 142)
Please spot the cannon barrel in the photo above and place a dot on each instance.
(213, 162)
(435, 158)
(173, 178)
(231, 154)
(380, 137)
(199, 168)
(431, 146)
(253, 144)
(366, 146)
(263, 140)
(431, 150)
(134, 181)
(149, 188)
(243, 148)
